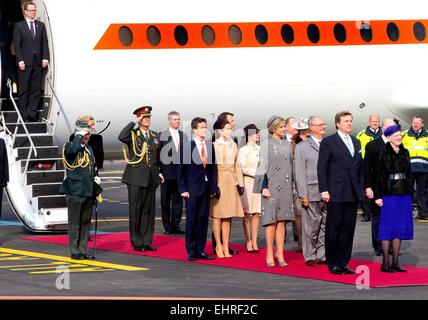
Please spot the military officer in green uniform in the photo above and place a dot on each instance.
(142, 176)
(81, 187)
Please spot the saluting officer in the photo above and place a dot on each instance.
(81, 187)
(142, 176)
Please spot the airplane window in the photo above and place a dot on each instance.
(261, 34)
(287, 33)
(419, 31)
(393, 32)
(125, 36)
(153, 35)
(366, 32)
(235, 35)
(208, 35)
(313, 33)
(180, 34)
(340, 32)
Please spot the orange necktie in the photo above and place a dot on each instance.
(203, 156)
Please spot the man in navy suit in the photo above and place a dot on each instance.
(170, 146)
(339, 174)
(197, 183)
(32, 55)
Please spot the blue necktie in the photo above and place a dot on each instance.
(349, 145)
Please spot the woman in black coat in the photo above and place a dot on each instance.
(393, 193)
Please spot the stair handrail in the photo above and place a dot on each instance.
(59, 111)
(32, 146)
(5, 128)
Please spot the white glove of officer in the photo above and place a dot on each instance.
(82, 133)
(97, 180)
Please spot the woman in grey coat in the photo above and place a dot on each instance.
(274, 181)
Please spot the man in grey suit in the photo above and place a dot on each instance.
(306, 176)
(170, 147)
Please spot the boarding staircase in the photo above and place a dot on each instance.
(36, 169)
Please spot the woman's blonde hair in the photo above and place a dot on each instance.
(275, 124)
(86, 118)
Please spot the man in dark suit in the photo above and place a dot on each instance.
(81, 187)
(339, 175)
(142, 176)
(197, 183)
(370, 162)
(4, 171)
(32, 55)
(170, 147)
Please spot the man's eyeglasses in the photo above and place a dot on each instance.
(31, 10)
(320, 124)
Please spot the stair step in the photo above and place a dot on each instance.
(45, 103)
(45, 176)
(52, 202)
(12, 116)
(6, 104)
(32, 127)
(57, 164)
(46, 189)
(42, 153)
(22, 141)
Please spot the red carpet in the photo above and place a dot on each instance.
(173, 248)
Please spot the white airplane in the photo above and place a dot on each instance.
(252, 58)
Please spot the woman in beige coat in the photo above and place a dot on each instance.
(249, 157)
(230, 183)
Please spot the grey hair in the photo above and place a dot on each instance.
(311, 120)
(173, 113)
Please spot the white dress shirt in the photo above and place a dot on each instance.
(199, 144)
(317, 141)
(175, 137)
(29, 25)
(347, 140)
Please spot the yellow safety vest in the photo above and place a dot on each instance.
(365, 136)
(418, 149)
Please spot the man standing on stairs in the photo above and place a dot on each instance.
(81, 187)
(32, 55)
(142, 176)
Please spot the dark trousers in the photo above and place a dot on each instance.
(171, 204)
(340, 228)
(142, 209)
(421, 180)
(197, 213)
(79, 222)
(30, 91)
(366, 206)
(377, 245)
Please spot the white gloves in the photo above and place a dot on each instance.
(82, 133)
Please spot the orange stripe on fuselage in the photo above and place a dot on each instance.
(110, 40)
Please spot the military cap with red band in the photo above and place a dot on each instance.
(145, 111)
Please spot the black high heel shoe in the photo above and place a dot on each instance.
(396, 267)
(385, 268)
